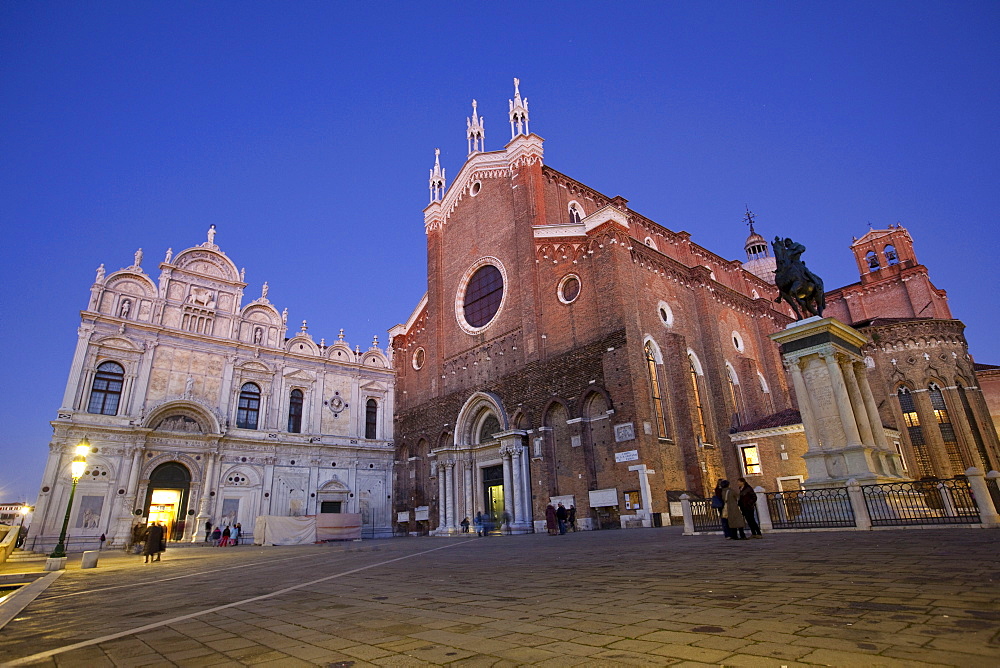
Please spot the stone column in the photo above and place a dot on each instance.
(687, 514)
(76, 367)
(204, 513)
(469, 498)
(525, 463)
(871, 408)
(442, 499)
(123, 528)
(449, 476)
(517, 482)
(816, 463)
(860, 411)
(265, 486)
(647, 499)
(843, 400)
(763, 512)
(508, 486)
(987, 511)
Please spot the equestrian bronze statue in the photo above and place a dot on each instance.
(802, 289)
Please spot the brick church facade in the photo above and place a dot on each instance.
(569, 349)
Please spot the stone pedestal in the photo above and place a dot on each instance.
(839, 414)
(55, 563)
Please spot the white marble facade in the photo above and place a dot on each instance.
(180, 386)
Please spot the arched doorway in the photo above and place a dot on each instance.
(167, 497)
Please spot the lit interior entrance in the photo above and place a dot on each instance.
(493, 493)
(167, 497)
(163, 507)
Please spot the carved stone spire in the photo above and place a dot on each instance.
(475, 131)
(518, 112)
(437, 178)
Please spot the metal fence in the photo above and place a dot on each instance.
(706, 518)
(810, 509)
(921, 502)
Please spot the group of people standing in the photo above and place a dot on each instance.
(223, 536)
(560, 520)
(737, 509)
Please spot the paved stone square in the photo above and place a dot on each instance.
(608, 598)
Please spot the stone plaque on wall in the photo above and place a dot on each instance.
(624, 432)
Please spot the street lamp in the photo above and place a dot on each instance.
(76, 471)
(25, 509)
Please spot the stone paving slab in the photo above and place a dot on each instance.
(611, 598)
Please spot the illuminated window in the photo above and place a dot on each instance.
(914, 430)
(106, 392)
(654, 384)
(248, 408)
(751, 460)
(700, 429)
(947, 429)
(295, 412)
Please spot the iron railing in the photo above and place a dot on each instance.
(810, 509)
(706, 518)
(921, 502)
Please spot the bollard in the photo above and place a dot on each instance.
(862, 519)
(987, 511)
(688, 517)
(763, 512)
(55, 563)
(89, 559)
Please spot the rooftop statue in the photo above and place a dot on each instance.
(802, 289)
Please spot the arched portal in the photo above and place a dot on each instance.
(167, 497)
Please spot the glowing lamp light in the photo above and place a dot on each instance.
(76, 469)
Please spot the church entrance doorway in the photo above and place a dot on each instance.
(493, 493)
(167, 497)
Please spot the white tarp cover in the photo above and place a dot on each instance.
(277, 530)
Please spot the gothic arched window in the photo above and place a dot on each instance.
(295, 412)
(943, 420)
(735, 395)
(248, 408)
(701, 430)
(654, 384)
(914, 430)
(106, 392)
(371, 418)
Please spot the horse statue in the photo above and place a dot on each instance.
(802, 289)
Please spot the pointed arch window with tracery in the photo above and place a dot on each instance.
(653, 370)
(700, 427)
(943, 419)
(914, 430)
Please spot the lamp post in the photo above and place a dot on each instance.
(76, 471)
(25, 509)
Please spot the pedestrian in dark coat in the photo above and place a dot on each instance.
(732, 518)
(572, 518)
(748, 506)
(226, 533)
(562, 514)
(216, 535)
(208, 531)
(550, 520)
(154, 542)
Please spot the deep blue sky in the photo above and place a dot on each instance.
(304, 131)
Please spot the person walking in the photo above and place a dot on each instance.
(154, 539)
(561, 515)
(506, 519)
(572, 518)
(732, 519)
(717, 504)
(748, 506)
(550, 520)
(478, 522)
(465, 525)
(226, 533)
(216, 536)
(208, 531)
(234, 535)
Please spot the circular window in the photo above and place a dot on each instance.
(738, 341)
(569, 289)
(475, 188)
(418, 358)
(480, 295)
(666, 314)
